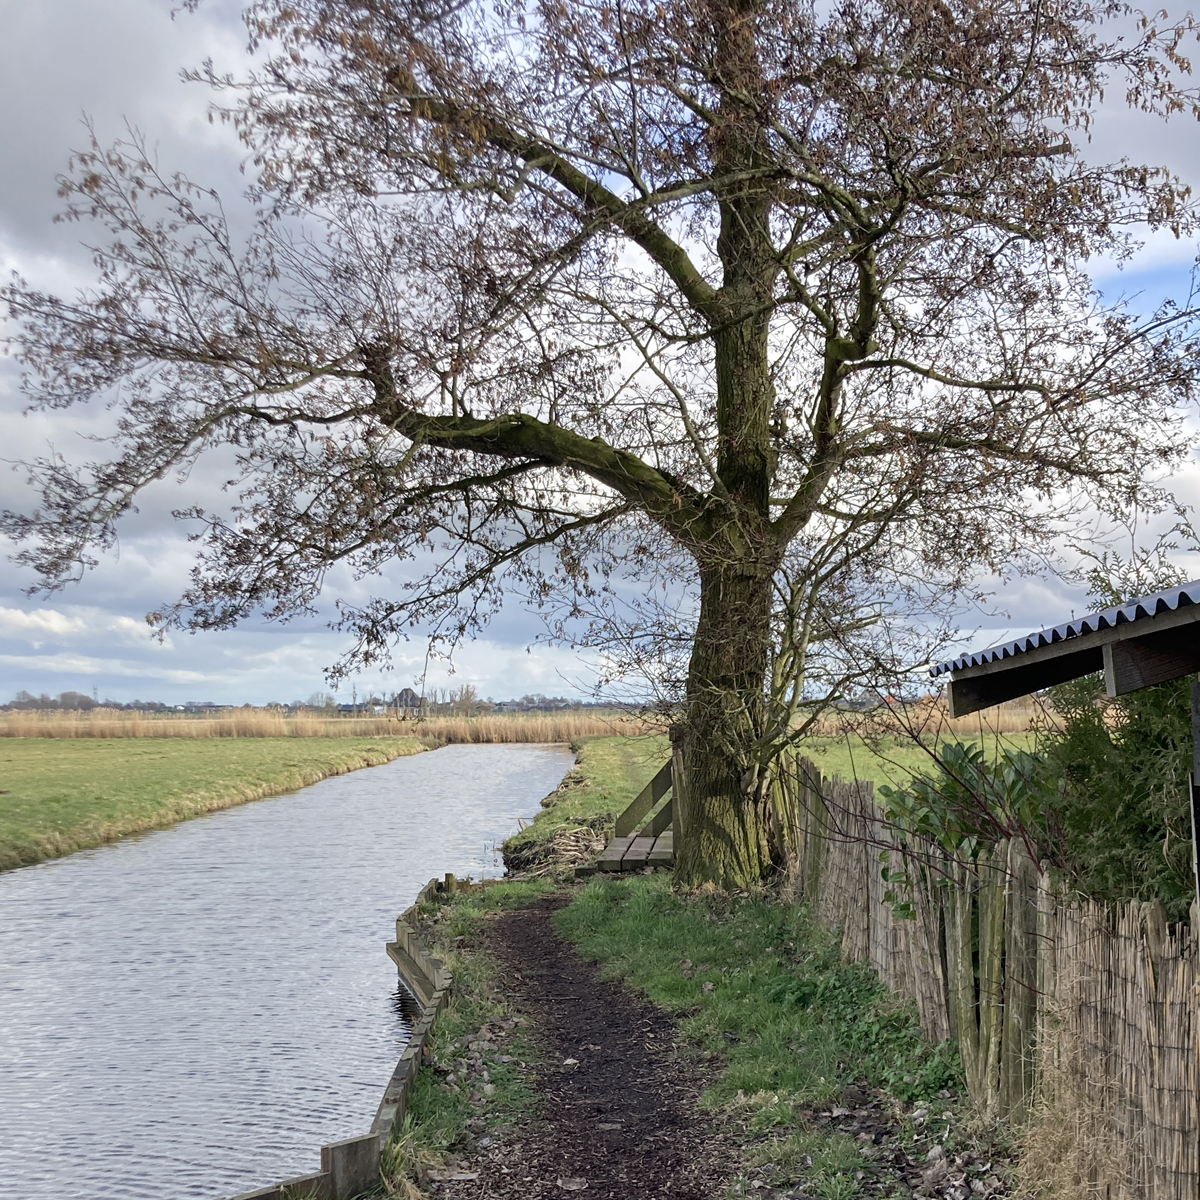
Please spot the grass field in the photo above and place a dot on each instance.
(610, 771)
(57, 796)
(895, 761)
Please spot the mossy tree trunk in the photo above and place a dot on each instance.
(722, 826)
(724, 814)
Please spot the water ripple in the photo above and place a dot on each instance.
(195, 1011)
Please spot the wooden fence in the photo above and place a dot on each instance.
(1088, 1014)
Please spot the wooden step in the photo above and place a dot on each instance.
(663, 854)
(611, 855)
(637, 854)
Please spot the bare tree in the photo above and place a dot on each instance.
(784, 298)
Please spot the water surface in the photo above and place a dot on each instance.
(194, 1011)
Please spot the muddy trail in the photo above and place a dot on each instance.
(618, 1114)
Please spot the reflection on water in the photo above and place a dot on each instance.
(195, 1011)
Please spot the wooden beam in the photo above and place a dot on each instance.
(1153, 658)
(645, 800)
(663, 854)
(661, 819)
(985, 684)
(970, 694)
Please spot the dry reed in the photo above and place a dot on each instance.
(263, 723)
(930, 717)
(1071, 1146)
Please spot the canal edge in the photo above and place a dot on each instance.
(351, 1167)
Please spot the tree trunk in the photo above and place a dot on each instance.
(722, 836)
(721, 818)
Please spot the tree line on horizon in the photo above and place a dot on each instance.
(441, 702)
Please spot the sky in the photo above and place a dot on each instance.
(118, 62)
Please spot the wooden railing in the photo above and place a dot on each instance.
(653, 844)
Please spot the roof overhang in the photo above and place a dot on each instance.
(1149, 641)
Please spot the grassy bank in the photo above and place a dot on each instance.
(474, 1085)
(818, 1074)
(757, 984)
(60, 796)
(807, 1051)
(608, 773)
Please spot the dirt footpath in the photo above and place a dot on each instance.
(618, 1115)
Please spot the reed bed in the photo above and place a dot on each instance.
(265, 723)
(532, 727)
(930, 717)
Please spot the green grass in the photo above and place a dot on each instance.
(756, 985)
(756, 989)
(61, 795)
(788, 1022)
(892, 760)
(442, 1120)
(608, 773)
(783, 1011)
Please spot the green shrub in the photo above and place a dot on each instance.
(970, 802)
(1121, 820)
(1104, 798)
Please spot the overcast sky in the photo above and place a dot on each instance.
(118, 61)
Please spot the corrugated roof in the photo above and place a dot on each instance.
(1136, 610)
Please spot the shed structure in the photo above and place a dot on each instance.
(1150, 640)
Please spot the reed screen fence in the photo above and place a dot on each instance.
(1075, 1015)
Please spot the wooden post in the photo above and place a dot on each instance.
(1194, 782)
(1195, 789)
(992, 896)
(815, 816)
(958, 901)
(679, 798)
(1047, 966)
(1020, 985)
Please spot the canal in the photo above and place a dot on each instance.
(194, 1011)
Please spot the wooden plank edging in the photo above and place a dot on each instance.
(350, 1167)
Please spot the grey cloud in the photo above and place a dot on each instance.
(117, 61)
(120, 60)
